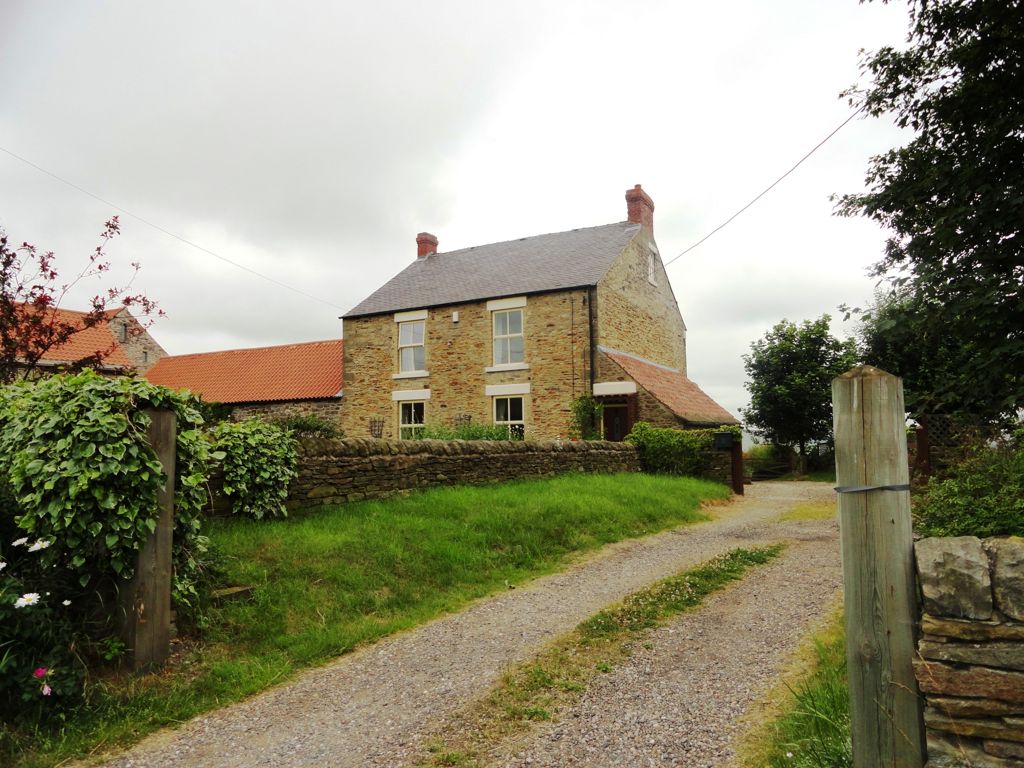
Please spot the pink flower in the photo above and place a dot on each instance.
(47, 690)
(40, 673)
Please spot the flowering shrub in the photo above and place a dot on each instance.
(39, 611)
(258, 463)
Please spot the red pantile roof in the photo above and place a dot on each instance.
(670, 387)
(88, 341)
(266, 374)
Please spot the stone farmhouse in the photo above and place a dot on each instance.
(276, 382)
(123, 342)
(511, 333)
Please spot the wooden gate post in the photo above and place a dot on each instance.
(146, 598)
(878, 568)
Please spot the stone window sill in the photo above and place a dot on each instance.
(507, 367)
(411, 375)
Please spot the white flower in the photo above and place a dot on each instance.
(66, 603)
(20, 542)
(29, 598)
(39, 544)
(2, 565)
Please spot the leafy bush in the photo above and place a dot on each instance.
(311, 425)
(258, 463)
(586, 418)
(983, 495)
(466, 432)
(84, 479)
(673, 451)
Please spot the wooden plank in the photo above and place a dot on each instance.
(878, 575)
(146, 598)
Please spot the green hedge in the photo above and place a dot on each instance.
(675, 451)
(981, 496)
(258, 462)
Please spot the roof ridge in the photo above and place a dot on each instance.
(254, 349)
(528, 237)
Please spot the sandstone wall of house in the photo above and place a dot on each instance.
(971, 650)
(556, 338)
(637, 317)
(338, 471)
(328, 410)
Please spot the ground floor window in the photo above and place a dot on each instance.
(508, 412)
(410, 418)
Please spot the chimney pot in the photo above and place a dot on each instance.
(426, 244)
(639, 207)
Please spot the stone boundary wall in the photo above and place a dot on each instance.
(970, 665)
(338, 471)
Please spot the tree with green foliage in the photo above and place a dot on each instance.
(897, 335)
(790, 374)
(953, 198)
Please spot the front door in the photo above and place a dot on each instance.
(616, 422)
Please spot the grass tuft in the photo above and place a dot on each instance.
(811, 510)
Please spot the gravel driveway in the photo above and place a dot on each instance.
(372, 707)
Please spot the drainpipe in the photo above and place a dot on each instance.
(592, 340)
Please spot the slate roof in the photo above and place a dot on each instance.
(87, 341)
(671, 388)
(308, 371)
(537, 264)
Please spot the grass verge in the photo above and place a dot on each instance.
(330, 580)
(545, 687)
(808, 717)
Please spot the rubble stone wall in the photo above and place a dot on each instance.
(970, 665)
(338, 471)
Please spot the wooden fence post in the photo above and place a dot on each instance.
(878, 569)
(146, 598)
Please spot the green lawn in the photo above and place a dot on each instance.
(329, 580)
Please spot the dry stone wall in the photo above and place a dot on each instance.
(338, 471)
(970, 665)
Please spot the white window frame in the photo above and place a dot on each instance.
(508, 364)
(516, 427)
(408, 430)
(406, 372)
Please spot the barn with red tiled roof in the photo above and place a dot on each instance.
(281, 381)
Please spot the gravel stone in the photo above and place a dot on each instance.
(675, 704)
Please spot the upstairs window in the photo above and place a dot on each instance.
(508, 336)
(410, 419)
(411, 351)
(508, 413)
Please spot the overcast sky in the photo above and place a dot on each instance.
(311, 141)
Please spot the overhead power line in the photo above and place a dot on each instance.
(769, 188)
(167, 232)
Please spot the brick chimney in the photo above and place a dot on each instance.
(639, 207)
(426, 244)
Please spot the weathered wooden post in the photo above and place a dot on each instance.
(878, 568)
(146, 598)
